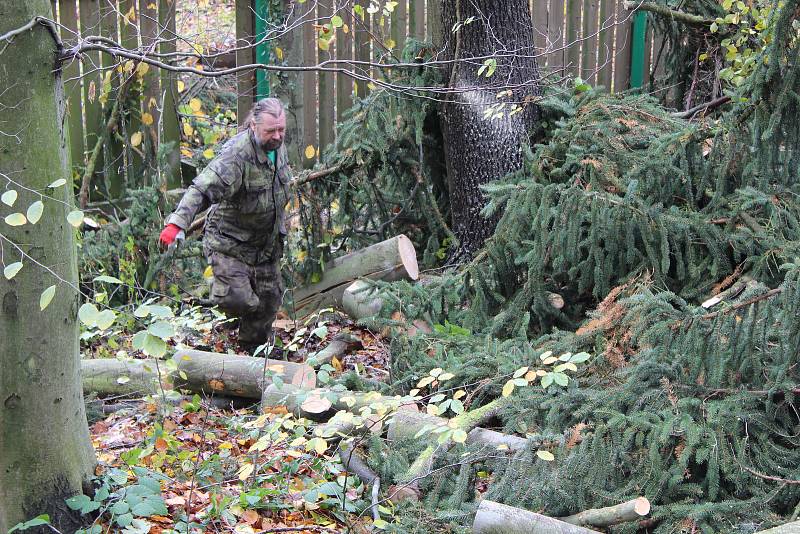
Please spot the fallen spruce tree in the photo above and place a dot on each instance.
(637, 217)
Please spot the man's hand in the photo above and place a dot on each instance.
(169, 234)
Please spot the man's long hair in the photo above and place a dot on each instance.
(270, 106)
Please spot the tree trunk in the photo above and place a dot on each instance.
(611, 515)
(235, 376)
(45, 451)
(495, 518)
(478, 148)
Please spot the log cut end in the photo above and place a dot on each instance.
(642, 506)
(408, 255)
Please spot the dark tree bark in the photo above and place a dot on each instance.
(479, 149)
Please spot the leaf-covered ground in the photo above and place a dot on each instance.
(184, 465)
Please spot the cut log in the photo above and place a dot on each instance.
(393, 259)
(320, 404)
(339, 345)
(495, 518)
(786, 528)
(611, 515)
(111, 377)
(360, 300)
(233, 375)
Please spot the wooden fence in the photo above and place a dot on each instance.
(598, 40)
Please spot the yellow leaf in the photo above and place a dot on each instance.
(226, 445)
(181, 86)
(136, 139)
(186, 153)
(151, 6)
(187, 129)
(336, 364)
(508, 388)
(130, 16)
(198, 48)
(315, 403)
(147, 119)
(151, 103)
(310, 152)
(390, 43)
(545, 455)
(320, 445)
(208, 153)
(142, 68)
(245, 471)
(459, 436)
(279, 53)
(346, 28)
(195, 104)
(208, 273)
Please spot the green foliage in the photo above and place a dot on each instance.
(634, 218)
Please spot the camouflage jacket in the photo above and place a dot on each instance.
(247, 195)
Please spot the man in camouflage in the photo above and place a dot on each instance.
(246, 187)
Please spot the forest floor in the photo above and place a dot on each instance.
(229, 470)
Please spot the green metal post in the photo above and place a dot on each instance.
(637, 50)
(262, 50)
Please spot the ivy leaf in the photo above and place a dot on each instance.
(107, 279)
(9, 197)
(12, 269)
(75, 218)
(35, 211)
(87, 314)
(105, 319)
(47, 297)
(547, 380)
(154, 346)
(459, 436)
(161, 329)
(15, 219)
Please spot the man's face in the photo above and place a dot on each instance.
(269, 131)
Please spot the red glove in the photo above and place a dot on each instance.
(168, 234)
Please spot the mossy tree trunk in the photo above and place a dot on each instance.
(45, 450)
(481, 147)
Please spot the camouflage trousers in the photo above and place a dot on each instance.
(251, 292)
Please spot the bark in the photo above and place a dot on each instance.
(236, 376)
(633, 510)
(339, 345)
(393, 259)
(480, 149)
(787, 528)
(135, 378)
(495, 518)
(45, 450)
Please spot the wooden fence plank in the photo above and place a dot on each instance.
(68, 18)
(363, 51)
(539, 13)
(605, 44)
(433, 17)
(622, 49)
(648, 52)
(91, 77)
(310, 87)
(245, 35)
(327, 94)
(344, 47)
(129, 34)
(290, 87)
(114, 166)
(399, 27)
(591, 11)
(148, 34)
(170, 131)
(556, 38)
(574, 34)
(416, 19)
